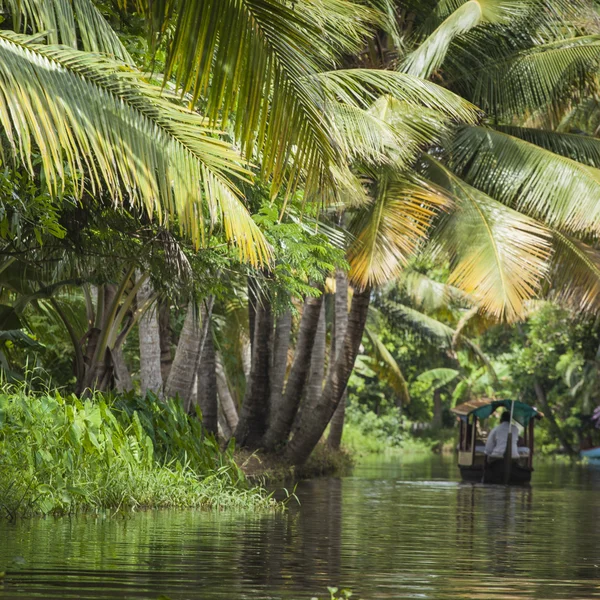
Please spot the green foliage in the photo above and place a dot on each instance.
(62, 455)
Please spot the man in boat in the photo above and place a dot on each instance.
(496, 442)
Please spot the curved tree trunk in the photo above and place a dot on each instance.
(123, 381)
(281, 422)
(336, 428)
(226, 401)
(312, 423)
(207, 385)
(185, 365)
(255, 408)
(149, 334)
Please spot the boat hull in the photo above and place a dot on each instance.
(591, 453)
(494, 473)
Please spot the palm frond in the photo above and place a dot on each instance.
(87, 114)
(464, 17)
(251, 61)
(499, 255)
(384, 365)
(522, 83)
(362, 87)
(427, 294)
(390, 228)
(530, 178)
(579, 147)
(62, 20)
(575, 277)
(437, 378)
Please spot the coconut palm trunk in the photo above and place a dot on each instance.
(207, 385)
(336, 428)
(282, 420)
(255, 408)
(226, 402)
(316, 375)
(279, 360)
(313, 423)
(185, 365)
(164, 327)
(149, 339)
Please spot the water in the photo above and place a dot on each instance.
(401, 530)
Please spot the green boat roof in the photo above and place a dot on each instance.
(484, 407)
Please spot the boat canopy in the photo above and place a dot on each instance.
(483, 408)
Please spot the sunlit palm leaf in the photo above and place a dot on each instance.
(498, 255)
(62, 20)
(465, 16)
(252, 61)
(87, 114)
(362, 87)
(390, 228)
(557, 190)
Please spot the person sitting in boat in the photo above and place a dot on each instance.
(496, 442)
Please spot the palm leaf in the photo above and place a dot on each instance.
(86, 113)
(428, 294)
(389, 229)
(530, 178)
(251, 61)
(498, 255)
(542, 78)
(575, 273)
(437, 378)
(464, 17)
(384, 365)
(362, 87)
(579, 147)
(62, 20)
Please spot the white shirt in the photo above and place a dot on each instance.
(496, 442)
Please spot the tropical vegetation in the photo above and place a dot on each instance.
(264, 211)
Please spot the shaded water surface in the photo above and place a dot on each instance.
(401, 529)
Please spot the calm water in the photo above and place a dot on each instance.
(391, 530)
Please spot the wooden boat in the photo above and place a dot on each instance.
(591, 453)
(472, 461)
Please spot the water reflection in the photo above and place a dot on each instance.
(401, 529)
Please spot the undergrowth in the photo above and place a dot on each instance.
(367, 433)
(63, 455)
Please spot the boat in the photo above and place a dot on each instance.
(591, 453)
(472, 461)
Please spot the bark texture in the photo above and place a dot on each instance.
(150, 351)
(207, 385)
(226, 402)
(164, 326)
(254, 414)
(282, 420)
(279, 360)
(336, 428)
(185, 365)
(312, 423)
(314, 386)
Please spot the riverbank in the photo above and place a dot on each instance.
(63, 455)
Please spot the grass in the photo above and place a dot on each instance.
(63, 455)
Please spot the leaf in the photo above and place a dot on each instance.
(498, 255)
(531, 179)
(89, 114)
(9, 319)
